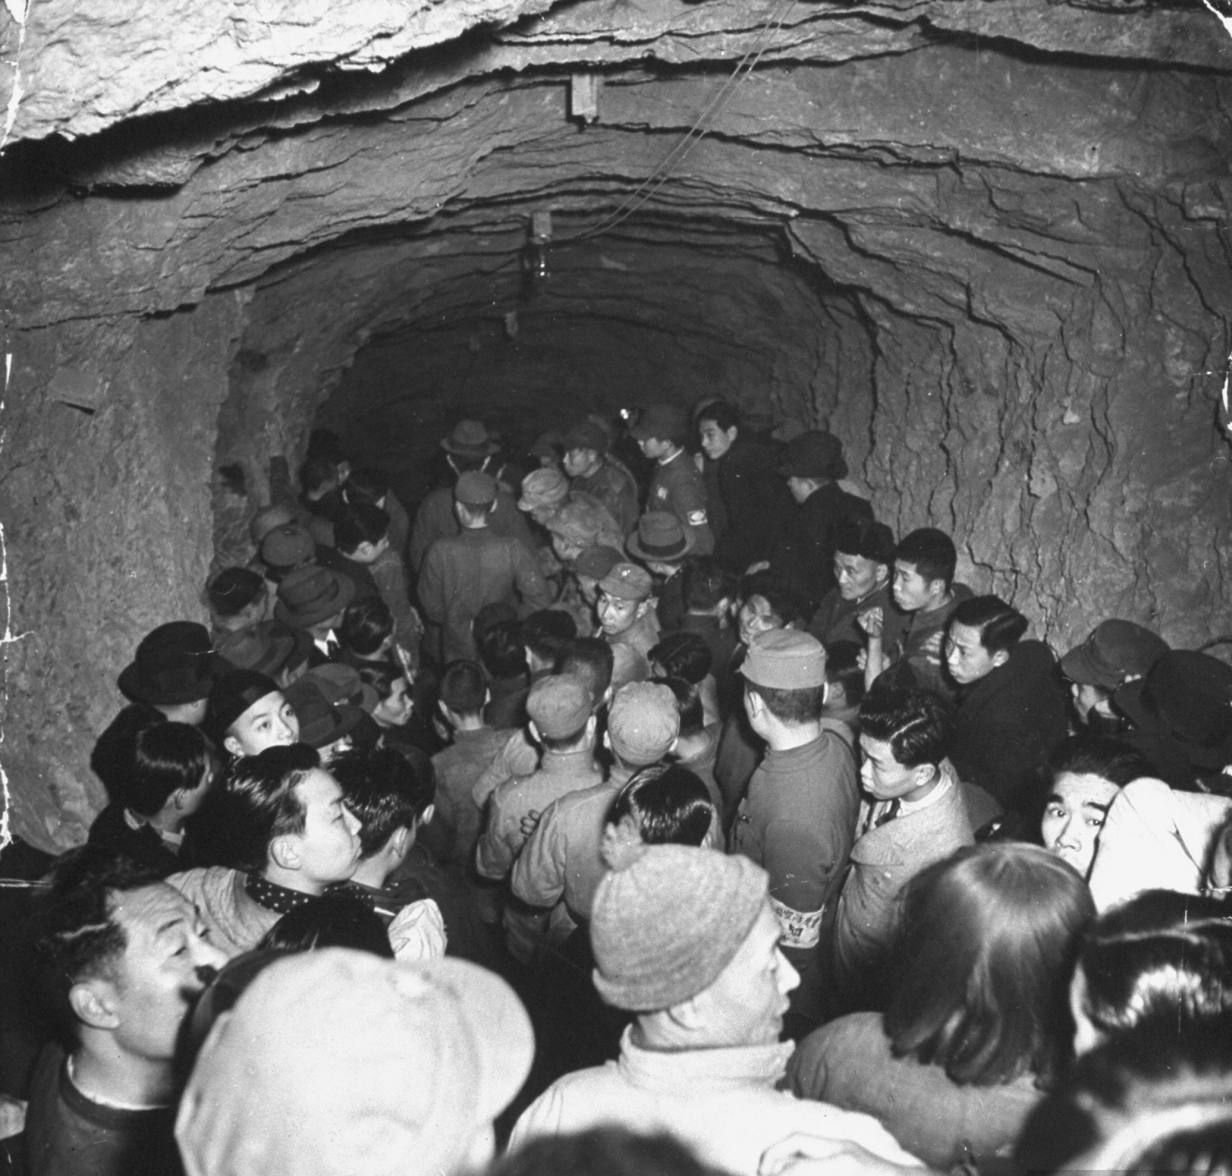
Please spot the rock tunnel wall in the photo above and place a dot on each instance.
(986, 244)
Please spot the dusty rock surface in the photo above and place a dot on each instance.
(986, 243)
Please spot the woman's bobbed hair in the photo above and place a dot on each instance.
(987, 945)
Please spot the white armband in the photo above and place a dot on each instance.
(798, 929)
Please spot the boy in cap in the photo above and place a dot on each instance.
(676, 485)
(560, 865)
(686, 939)
(477, 567)
(803, 558)
(592, 470)
(1114, 653)
(469, 448)
(562, 721)
(626, 617)
(799, 815)
(337, 1061)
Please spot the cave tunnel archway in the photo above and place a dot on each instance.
(985, 243)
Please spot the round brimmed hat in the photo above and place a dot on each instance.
(470, 439)
(307, 596)
(667, 422)
(174, 664)
(660, 538)
(340, 1061)
(815, 454)
(268, 647)
(586, 435)
(785, 659)
(342, 684)
(543, 488)
(289, 546)
(667, 919)
(1187, 696)
(235, 589)
(320, 722)
(1115, 651)
(277, 514)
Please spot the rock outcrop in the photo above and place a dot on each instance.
(985, 242)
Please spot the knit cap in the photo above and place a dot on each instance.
(642, 723)
(339, 1061)
(667, 919)
(542, 488)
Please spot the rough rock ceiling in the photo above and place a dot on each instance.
(986, 242)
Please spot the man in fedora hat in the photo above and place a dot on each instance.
(676, 485)
(462, 573)
(314, 598)
(662, 544)
(172, 671)
(469, 448)
(803, 557)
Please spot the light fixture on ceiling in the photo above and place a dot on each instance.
(535, 271)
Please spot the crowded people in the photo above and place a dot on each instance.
(790, 844)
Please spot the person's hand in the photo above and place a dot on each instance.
(760, 566)
(530, 822)
(811, 1155)
(872, 621)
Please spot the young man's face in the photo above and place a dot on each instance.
(166, 964)
(881, 775)
(911, 591)
(269, 722)
(800, 488)
(965, 656)
(1088, 698)
(328, 848)
(1074, 815)
(580, 461)
(617, 615)
(654, 448)
(858, 576)
(746, 1002)
(715, 441)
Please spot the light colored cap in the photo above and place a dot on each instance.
(338, 1061)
